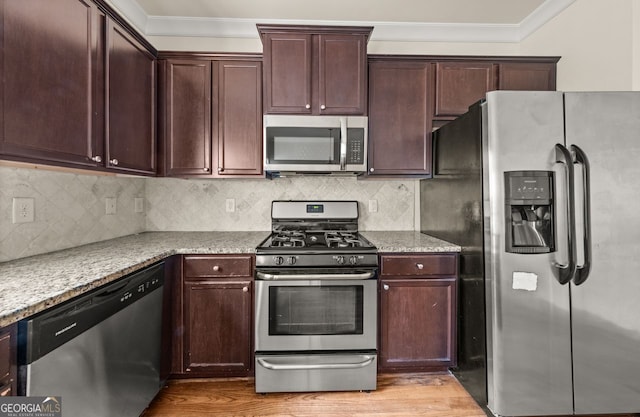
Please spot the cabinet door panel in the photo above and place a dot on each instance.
(287, 73)
(217, 317)
(131, 103)
(399, 119)
(417, 326)
(187, 115)
(527, 76)
(342, 74)
(49, 61)
(238, 121)
(460, 84)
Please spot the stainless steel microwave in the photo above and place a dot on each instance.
(315, 144)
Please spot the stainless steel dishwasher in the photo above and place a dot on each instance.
(100, 352)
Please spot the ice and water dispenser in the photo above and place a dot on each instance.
(529, 212)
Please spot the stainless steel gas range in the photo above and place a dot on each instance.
(316, 300)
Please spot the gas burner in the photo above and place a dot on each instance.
(342, 240)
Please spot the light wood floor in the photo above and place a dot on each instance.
(397, 395)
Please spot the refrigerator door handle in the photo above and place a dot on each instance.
(564, 273)
(582, 272)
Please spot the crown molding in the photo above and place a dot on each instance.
(180, 26)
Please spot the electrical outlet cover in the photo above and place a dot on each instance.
(23, 210)
(110, 205)
(139, 204)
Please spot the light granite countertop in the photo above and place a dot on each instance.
(31, 285)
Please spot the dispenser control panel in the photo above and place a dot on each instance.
(529, 187)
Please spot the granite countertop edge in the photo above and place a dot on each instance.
(31, 285)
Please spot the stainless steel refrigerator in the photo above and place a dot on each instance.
(542, 192)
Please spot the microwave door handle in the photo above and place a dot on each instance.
(343, 143)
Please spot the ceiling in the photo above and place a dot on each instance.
(408, 20)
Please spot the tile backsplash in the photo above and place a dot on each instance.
(191, 205)
(70, 208)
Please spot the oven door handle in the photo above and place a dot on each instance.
(296, 367)
(284, 277)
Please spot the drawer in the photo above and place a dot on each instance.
(5, 355)
(419, 264)
(218, 266)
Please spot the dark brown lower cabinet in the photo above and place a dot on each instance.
(418, 313)
(8, 360)
(215, 335)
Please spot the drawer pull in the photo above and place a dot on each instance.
(386, 287)
(216, 268)
(420, 266)
(245, 289)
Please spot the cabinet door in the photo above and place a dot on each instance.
(342, 74)
(460, 84)
(400, 118)
(50, 64)
(186, 114)
(8, 360)
(238, 117)
(527, 76)
(287, 75)
(417, 324)
(131, 105)
(217, 323)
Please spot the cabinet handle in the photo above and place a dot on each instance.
(419, 266)
(97, 159)
(205, 169)
(113, 161)
(322, 107)
(371, 169)
(216, 268)
(245, 289)
(386, 287)
(308, 106)
(219, 169)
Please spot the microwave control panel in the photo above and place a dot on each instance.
(355, 146)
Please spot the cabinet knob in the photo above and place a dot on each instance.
(322, 107)
(216, 268)
(419, 266)
(97, 159)
(205, 169)
(371, 169)
(245, 289)
(113, 161)
(385, 287)
(308, 106)
(219, 169)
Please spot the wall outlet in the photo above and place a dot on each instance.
(230, 205)
(138, 204)
(110, 205)
(23, 210)
(373, 206)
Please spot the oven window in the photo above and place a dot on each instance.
(315, 310)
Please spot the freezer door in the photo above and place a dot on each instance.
(528, 322)
(605, 308)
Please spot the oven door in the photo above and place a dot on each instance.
(316, 314)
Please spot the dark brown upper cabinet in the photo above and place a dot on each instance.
(52, 94)
(81, 90)
(131, 104)
(315, 69)
(210, 111)
(400, 108)
(533, 76)
(460, 84)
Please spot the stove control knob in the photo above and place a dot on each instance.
(353, 260)
(278, 260)
(291, 260)
(340, 259)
